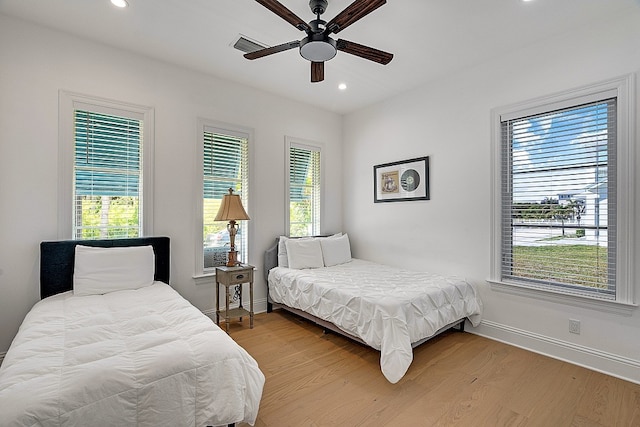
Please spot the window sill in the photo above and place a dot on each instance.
(614, 307)
(205, 278)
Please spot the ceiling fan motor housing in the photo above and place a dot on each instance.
(318, 6)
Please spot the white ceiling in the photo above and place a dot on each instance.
(429, 38)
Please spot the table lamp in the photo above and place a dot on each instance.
(231, 210)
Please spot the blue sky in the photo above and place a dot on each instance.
(547, 149)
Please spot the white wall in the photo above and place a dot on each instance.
(35, 63)
(449, 121)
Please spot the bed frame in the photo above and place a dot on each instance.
(271, 261)
(57, 259)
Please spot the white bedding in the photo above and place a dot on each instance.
(388, 308)
(143, 357)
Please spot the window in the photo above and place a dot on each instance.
(560, 221)
(107, 173)
(304, 189)
(108, 147)
(225, 164)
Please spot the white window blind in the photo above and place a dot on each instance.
(107, 183)
(558, 198)
(225, 165)
(304, 190)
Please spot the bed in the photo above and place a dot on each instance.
(102, 349)
(389, 309)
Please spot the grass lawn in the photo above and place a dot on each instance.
(573, 264)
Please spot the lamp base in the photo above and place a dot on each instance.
(233, 259)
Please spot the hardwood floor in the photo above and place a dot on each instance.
(456, 379)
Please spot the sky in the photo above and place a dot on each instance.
(557, 153)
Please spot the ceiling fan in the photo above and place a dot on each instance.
(317, 46)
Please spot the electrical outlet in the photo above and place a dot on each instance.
(574, 326)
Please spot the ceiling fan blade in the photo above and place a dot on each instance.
(317, 72)
(284, 13)
(365, 52)
(271, 50)
(352, 13)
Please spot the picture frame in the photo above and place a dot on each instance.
(401, 181)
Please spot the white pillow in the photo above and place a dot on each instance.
(283, 260)
(99, 271)
(282, 252)
(304, 253)
(336, 251)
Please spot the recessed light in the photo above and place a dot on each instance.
(342, 86)
(120, 3)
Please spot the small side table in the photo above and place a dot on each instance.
(234, 276)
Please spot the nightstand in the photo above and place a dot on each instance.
(234, 276)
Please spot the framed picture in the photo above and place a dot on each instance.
(401, 181)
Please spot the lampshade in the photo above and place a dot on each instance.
(231, 208)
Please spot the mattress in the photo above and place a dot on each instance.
(386, 307)
(143, 357)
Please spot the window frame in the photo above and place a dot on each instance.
(206, 125)
(68, 102)
(623, 89)
(291, 142)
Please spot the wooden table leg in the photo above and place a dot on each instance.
(226, 314)
(251, 304)
(239, 292)
(217, 303)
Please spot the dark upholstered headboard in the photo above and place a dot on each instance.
(270, 258)
(57, 259)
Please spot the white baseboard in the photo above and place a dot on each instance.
(590, 358)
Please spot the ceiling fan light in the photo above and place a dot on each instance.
(318, 51)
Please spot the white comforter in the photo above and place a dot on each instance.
(386, 307)
(141, 357)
